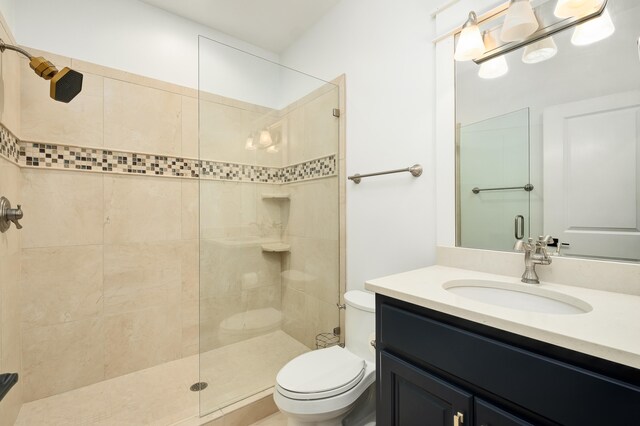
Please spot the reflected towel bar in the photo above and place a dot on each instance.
(415, 170)
(528, 187)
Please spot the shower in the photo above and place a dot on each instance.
(65, 84)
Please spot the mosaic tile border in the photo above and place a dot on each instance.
(66, 157)
(9, 145)
(63, 157)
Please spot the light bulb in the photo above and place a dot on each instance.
(540, 51)
(576, 8)
(593, 30)
(494, 68)
(520, 21)
(265, 138)
(470, 45)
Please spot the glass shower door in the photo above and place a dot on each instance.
(269, 219)
(493, 174)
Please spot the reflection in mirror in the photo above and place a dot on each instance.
(493, 169)
(583, 133)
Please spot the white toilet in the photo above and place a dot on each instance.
(321, 387)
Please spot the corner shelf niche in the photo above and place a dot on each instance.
(276, 248)
(276, 196)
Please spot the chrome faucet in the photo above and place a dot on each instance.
(535, 253)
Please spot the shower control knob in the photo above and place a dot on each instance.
(14, 215)
(9, 215)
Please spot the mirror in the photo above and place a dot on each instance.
(568, 129)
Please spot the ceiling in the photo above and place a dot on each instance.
(270, 24)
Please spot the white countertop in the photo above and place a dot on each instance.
(611, 330)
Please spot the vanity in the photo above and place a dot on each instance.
(451, 358)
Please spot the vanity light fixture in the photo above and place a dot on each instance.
(250, 145)
(576, 8)
(496, 67)
(594, 30)
(540, 51)
(520, 21)
(265, 138)
(470, 45)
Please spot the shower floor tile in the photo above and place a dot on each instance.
(160, 395)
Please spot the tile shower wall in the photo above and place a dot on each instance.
(310, 275)
(110, 259)
(311, 271)
(10, 241)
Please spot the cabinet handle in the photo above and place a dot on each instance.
(458, 419)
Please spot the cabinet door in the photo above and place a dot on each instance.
(410, 396)
(490, 415)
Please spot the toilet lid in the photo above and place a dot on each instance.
(320, 374)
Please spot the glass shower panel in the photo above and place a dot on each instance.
(269, 220)
(493, 156)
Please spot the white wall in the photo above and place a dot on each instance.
(122, 34)
(7, 8)
(385, 50)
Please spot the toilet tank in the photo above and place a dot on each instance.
(360, 323)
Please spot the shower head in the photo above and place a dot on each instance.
(65, 84)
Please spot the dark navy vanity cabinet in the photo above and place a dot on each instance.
(435, 369)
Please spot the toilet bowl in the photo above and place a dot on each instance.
(321, 387)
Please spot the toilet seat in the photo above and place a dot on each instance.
(320, 374)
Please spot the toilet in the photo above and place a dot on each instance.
(322, 387)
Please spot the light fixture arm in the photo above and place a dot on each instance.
(4, 46)
(472, 20)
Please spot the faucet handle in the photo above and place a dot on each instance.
(543, 240)
(14, 215)
(518, 246)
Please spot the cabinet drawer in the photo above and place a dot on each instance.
(558, 391)
(490, 415)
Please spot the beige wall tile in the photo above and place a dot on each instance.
(138, 276)
(79, 122)
(227, 209)
(61, 357)
(295, 137)
(223, 134)
(294, 306)
(323, 262)
(61, 284)
(321, 317)
(314, 211)
(61, 208)
(189, 253)
(10, 180)
(190, 328)
(190, 209)
(321, 128)
(140, 339)
(189, 127)
(10, 336)
(141, 209)
(10, 82)
(141, 119)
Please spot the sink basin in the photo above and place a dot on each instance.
(518, 296)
